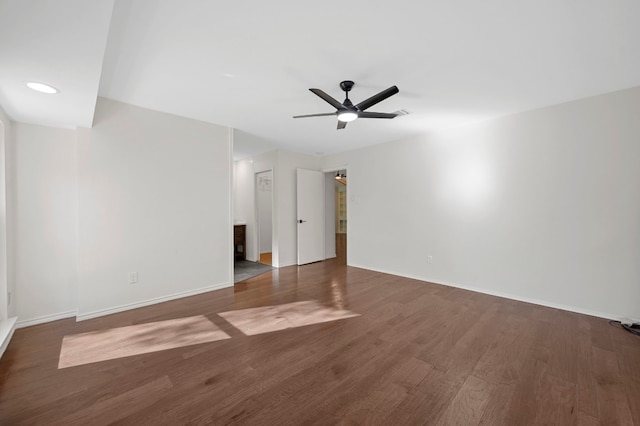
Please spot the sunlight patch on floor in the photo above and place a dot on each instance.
(138, 339)
(266, 319)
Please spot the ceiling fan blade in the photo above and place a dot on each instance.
(342, 124)
(377, 98)
(324, 114)
(334, 103)
(366, 114)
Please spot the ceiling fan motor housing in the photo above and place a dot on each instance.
(346, 85)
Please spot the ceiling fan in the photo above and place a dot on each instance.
(347, 111)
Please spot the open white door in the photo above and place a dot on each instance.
(310, 209)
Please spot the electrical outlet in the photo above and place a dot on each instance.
(429, 259)
(133, 277)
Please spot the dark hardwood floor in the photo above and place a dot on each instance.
(419, 353)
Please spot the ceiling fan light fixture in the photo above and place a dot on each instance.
(347, 116)
(41, 87)
(346, 111)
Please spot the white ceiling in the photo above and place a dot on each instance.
(60, 43)
(249, 66)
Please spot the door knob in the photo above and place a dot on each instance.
(301, 221)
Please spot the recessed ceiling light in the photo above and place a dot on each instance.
(41, 87)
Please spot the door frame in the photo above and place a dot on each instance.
(257, 217)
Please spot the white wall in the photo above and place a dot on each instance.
(140, 192)
(8, 170)
(542, 206)
(7, 192)
(242, 211)
(329, 215)
(4, 308)
(46, 223)
(5, 143)
(246, 145)
(154, 198)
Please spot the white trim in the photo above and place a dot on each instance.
(7, 327)
(4, 246)
(231, 251)
(45, 318)
(129, 306)
(506, 296)
(77, 227)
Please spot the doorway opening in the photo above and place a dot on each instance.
(264, 216)
(341, 215)
(336, 215)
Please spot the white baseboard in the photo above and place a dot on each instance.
(128, 306)
(505, 295)
(45, 318)
(7, 327)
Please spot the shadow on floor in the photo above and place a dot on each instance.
(244, 269)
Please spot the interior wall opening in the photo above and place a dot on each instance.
(341, 214)
(264, 216)
(336, 215)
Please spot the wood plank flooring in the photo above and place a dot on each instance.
(266, 258)
(419, 353)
